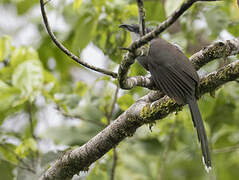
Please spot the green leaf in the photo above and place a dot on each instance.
(22, 54)
(85, 27)
(104, 120)
(5, 47)
(80, 88)
(125, 101)
(28, 77)
(7, 151)
(26, 147)
(8, 96)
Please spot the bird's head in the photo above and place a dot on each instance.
(134, 29)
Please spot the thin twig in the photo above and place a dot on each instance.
(226, 149)
(47, 1)
(110, 114)
(66, 51)
(141, 17)
(35, 158)
(114, 102)
(31, 121)
(125, 49)
(31, 128)
(84, 119)
(115, 158)
(80, 118)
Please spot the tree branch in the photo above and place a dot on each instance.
(66, 51)
(220, 49)
(133, 53)
(141, 112)
(109, 117)
(164, 25)
(207, 54)
(141, 17)
(115, 158)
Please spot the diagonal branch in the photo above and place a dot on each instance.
(141, 112)
(164, 25)
(66, 51)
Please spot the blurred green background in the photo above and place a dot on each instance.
(49, 104)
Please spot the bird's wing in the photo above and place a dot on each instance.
(174, 82)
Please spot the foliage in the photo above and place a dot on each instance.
(34, 79)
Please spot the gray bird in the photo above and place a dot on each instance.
(174, 75)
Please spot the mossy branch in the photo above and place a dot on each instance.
(145, 110)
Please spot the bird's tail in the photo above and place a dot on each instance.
(202, 137)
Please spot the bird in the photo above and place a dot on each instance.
(174, 75)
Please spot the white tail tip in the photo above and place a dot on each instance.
(207, 168)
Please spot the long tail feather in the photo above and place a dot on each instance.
(202, 137)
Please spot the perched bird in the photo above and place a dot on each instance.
(174, 75)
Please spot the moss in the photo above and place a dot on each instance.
(130, 119)
(215, 80)
(145, 112)
(218, 50)
(122, 133)
(125, 132)
(162, 107)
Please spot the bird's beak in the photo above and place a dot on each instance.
(127, 27)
